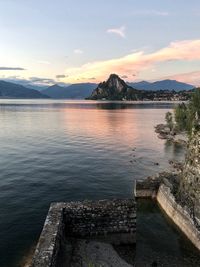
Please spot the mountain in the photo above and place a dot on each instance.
(36, 87)
(115, 89)
(73, 91)
(53, 91)
(12, 90)
(143, 85)
(171, 85)
(26, 83)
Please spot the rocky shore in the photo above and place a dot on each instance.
(164, 132)
(187, 192)
(178, 191)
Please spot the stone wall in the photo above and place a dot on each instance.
(178, 214)
(189, 191)
(114, 221)
(111, 220)
(50, 239)
(147, 188)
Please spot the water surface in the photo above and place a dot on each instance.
(52, 150)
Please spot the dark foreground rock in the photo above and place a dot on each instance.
(84, 253)
(93, 253)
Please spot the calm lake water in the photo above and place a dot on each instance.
(73, 150)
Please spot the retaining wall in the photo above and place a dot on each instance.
(178, 214)
(114, 220)
(50, 239)
(145, 188)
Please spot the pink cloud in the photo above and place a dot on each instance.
(136, 62)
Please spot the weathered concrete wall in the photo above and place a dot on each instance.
(178, 214)
(113, 221)
(50, 239)
(145, 193)
(147, 188)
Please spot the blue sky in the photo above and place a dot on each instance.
(84, 40)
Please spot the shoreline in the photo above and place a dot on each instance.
(165, 133)
(162, 188)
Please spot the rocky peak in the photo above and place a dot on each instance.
(113, 88)
(115, 83)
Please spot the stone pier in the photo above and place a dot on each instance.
(111, 221)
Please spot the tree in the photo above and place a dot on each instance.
(194, 104)
(169, 120)
(181, 117)
(185, 115)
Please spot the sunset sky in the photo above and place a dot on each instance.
(72, 41)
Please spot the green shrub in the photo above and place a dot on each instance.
(186, 115)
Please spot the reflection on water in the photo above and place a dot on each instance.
(159, 241)
(86, 104)
(173, 148)
(70, 150)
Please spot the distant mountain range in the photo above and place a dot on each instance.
(84, 90)
(73, 91)
(171, 85)
(80, 90)
(12, 90)
(117, 89)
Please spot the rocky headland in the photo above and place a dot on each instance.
(114, 88)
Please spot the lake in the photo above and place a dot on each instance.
(57, 150)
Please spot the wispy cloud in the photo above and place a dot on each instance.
(118, 31)
(11, 68)
(151, 13)
(28, 82)
(78, 51)
(42, 80)
(61, 76)
(33, 82)
(187, 50)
